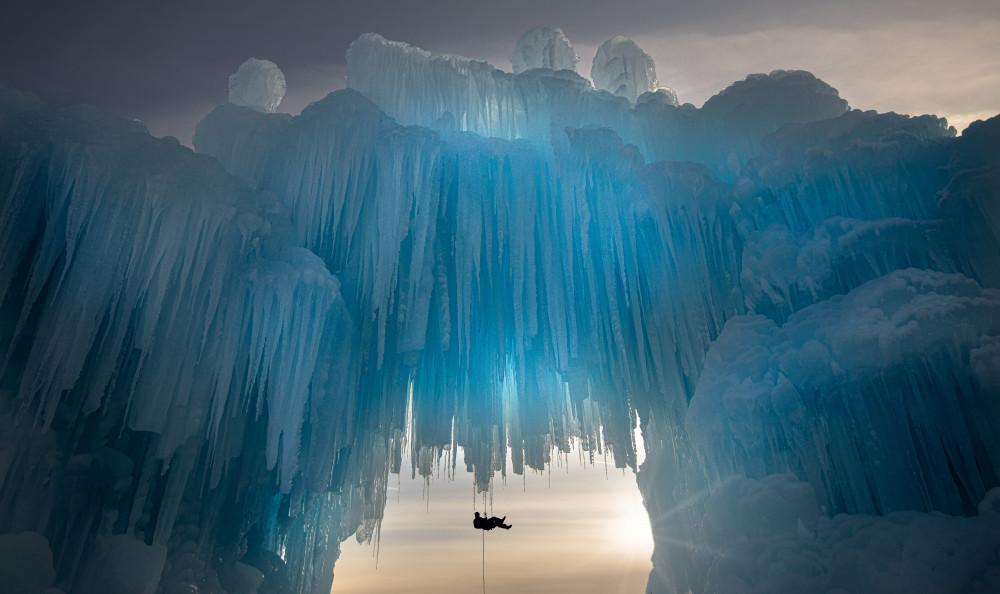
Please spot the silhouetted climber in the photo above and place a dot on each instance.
(490, 523)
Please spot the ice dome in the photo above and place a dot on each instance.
(543, 47)
(258, 84)
(623, 69)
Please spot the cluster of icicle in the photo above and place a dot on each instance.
(479, 263)
(155, 322)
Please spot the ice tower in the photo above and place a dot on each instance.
(543, 47)
(621, 68)
(257, 84)
(212, 360)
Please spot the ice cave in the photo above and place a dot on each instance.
(213, 360)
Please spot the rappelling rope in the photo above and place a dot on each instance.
(484, 545)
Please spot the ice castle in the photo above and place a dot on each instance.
(212, 360)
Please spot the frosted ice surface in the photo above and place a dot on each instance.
(766, 392)
(623, 69)
(770, 536)
(663, 95)
(257, 84)
(743, 508)
(784, 271)
(990, 503)
(25, 563)
(985, 363)
(543, 47)
(242, 578)
(127, 565)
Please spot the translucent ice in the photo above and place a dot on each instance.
(543, 47)
(257, 84)
(623, 69)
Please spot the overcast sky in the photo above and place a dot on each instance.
(167, 63)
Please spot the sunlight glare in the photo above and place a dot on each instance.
(632, 528)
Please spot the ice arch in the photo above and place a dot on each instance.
(228, 351)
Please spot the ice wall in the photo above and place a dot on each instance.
(854, 414)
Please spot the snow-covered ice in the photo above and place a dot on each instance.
(257, 84)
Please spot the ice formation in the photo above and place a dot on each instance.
(662, 95)
(212, 362)
(448, 93)
(257, 84)
(543, 47)
(621, 68)
(767, 394)
(771, 536)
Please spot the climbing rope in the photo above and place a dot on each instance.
(484, 545)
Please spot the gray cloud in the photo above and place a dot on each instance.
(167, 63)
